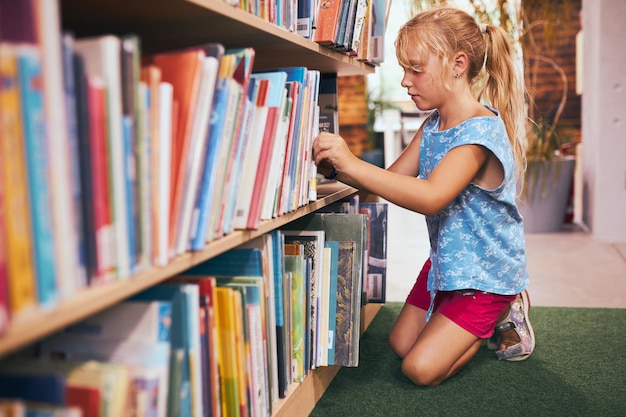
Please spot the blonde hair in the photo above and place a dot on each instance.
(443, 32)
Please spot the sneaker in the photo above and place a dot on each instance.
(518, 321)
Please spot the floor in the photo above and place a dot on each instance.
(568, 269)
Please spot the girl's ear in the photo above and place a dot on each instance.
(460, 63)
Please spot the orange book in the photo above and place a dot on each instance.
(182, 69)
(151, 75)
(327, 21)
(225, 315)
(20, 262)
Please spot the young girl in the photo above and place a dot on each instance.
(460, 171)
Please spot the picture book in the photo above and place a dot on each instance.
(295, 266)
(377, 257)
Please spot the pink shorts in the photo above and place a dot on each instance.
(475, 311)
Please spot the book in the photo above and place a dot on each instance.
(102, 56)
(329, 104)
(295, 267)
(75, 85)
(64, 187)
(38, 173)
(43, 387)
(86, 399)
(327, 21)
(166, 108)
(312, 242)
(243, 60)
(183, 70)
(228, 312)
(377, 259)
(333, 273)
(343, 227)
(346, 325)
(197, 149)
(102, 217)
(275, 104)
(20, 266)
(251, 156)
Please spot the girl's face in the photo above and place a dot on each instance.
(423, 83)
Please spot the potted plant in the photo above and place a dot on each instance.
(551, 161)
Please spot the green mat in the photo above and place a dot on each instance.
(578, 369)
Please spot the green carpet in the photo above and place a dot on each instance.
(578, 369)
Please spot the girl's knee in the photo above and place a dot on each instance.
(422, 374)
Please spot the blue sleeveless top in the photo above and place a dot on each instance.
(477, 242)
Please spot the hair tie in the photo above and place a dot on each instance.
(483, 28)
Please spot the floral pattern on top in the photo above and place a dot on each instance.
(477, 241)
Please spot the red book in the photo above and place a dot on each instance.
(86, 399)
(103, 222)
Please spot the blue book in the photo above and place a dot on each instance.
(332, 302)
(206, 193)
(34, 387)
(235, 262)
(85, 263)
(37, 164)
(131, 182)
(180, 386)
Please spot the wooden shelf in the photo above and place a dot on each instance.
(301, 398)
(40, 322)
(173, 24)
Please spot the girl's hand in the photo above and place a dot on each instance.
(330, 152)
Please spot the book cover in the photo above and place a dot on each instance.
(181, 388)
(332, 298)
(86, 399)
(197, 149)
(251, 155)
(329, 103)
(182, 69)
(275, 100)
(38, 173)
(147, 321)
(226, 316)
(43, 387)
(295, 266)
(19, 258)
(100, 180)
(65, 192)
(343, 227)
(312, 242)
(327, 21)
(75, 84)
(166, 132)
(377, 259)
(134, 149)
(102, 55)
(241, 75)
(346, 326)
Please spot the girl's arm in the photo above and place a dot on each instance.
(455, 171)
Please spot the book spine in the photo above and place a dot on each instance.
(20, 266)
(38, 173)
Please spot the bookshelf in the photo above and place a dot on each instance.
(173, 24)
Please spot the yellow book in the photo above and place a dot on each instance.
(228, 352)
(20, 263)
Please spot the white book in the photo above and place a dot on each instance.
(249, 166)
(70, 276)
(102, 59)
(166, 98)
(196, 151)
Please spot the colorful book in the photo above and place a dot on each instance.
(327, 21)
(102, 55)
(295, 267)
(377, 257)
(19, 256)
(183, 70)
(38, 173)
(275, 104)
(228, 312)
(197, 149)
